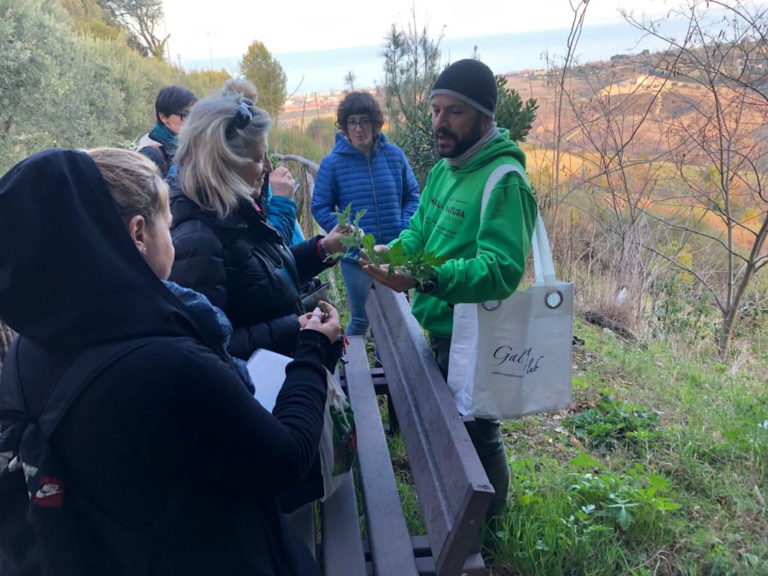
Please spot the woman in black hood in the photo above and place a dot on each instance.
(170, 466)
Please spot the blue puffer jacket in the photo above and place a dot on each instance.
(382, 183)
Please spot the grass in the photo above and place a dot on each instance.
(405, 487)
(658, 467)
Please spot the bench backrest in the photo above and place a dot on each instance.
(453, 489)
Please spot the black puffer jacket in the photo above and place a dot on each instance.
(242, 265)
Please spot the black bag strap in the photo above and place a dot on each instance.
(80, 373)
(14, 411)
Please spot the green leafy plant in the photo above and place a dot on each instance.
(682, 312)
(613, 423)
(350, 228)
(564, 516)
(624, 501)
(419, 265)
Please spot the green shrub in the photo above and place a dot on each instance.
(613, 424)
(563, 521)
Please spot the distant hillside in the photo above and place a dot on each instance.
(623, 115)
(628, 85)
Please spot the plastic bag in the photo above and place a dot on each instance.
(338, 442)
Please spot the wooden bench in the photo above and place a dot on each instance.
(452, 488)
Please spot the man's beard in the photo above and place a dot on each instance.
(461, 145)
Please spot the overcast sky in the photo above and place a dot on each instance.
(225, 28)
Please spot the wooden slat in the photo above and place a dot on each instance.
(388, 536)
(421, 546)
(340, 527)
(463, 539)
(454, 492)
(413, 370)
(474, 566)
(377, 372)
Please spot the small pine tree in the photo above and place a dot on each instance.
(411, 61)
(511, 113)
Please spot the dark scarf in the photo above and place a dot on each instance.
(161, 133)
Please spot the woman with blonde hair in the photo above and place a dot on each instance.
(225, 248)
(168, 464)
(276, 195)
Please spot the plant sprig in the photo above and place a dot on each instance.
(350, 229)
(419, 266)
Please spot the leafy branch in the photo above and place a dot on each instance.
(418, 266)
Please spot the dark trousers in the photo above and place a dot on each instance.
(485, 436)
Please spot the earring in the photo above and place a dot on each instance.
(142, 249)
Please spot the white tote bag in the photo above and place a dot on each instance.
(512, 357)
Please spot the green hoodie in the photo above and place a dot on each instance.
(485, 260)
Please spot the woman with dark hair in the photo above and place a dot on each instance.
(172, 106)
(369, 173)
(168, 464)
(225, 249)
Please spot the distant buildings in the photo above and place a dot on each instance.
(300, 108)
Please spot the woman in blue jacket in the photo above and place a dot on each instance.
(371, 174)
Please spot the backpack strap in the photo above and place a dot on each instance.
(49, 406)
(37, 532)
(85, 368)
(14, 413)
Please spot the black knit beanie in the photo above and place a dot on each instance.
(470, 81)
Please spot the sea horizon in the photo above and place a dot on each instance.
(325, 70)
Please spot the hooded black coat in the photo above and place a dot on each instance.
(242, 265)
(171, 467)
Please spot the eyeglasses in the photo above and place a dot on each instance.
(183, 115)
(243, 116)
(363, 122)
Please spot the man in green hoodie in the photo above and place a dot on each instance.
(485, 260)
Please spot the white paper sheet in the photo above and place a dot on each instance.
(267, 371)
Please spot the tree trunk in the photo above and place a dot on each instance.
(731, 316)
(726, 331)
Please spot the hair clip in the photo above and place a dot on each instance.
(243, 115)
